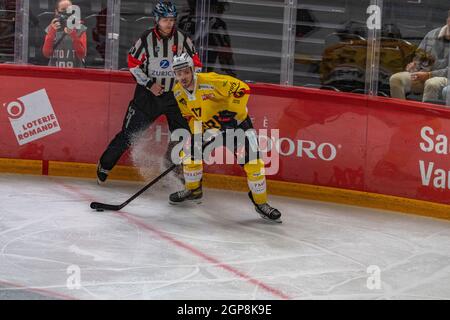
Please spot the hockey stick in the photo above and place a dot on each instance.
(104, 206)
(111, 207)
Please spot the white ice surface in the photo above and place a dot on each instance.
(220, 249)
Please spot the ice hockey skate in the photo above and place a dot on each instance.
(266, 211)
(102, 174)
(185, 196)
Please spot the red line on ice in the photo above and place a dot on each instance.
(191, 249)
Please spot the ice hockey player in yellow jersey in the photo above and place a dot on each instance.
(218, 102)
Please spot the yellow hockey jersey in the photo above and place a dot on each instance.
(214, 96)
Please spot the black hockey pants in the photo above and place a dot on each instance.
(142, 111)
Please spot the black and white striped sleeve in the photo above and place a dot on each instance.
(137, 56)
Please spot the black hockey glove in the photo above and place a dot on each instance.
(226, 119)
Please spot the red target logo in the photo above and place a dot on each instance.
(15, 109)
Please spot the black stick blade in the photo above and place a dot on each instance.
(103, 206)
(94, 205)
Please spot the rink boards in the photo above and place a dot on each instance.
(340, 147)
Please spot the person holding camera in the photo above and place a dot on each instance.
(65, 41)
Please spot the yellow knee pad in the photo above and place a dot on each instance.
(193, 174)
(256, 180)
(192, 171)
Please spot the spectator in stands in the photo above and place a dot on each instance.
(218, 37)
(426, 75)
(65, 42)
(7, 25)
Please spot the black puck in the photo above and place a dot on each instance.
(99, 210)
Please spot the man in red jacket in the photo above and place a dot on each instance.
(65, 42)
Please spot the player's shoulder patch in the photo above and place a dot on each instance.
(205, 86)
(176, 93)
(218, 80)
(208, 81)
